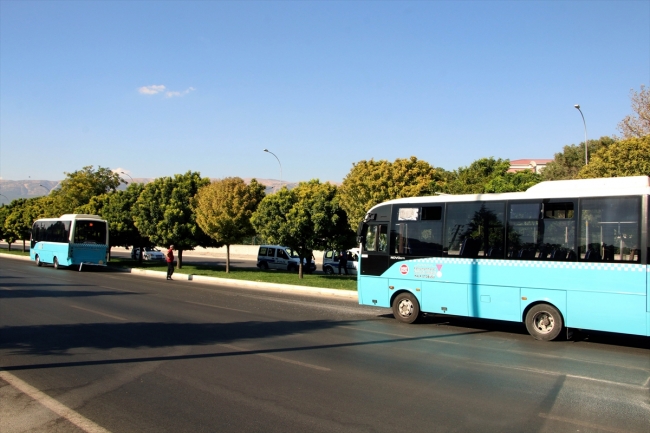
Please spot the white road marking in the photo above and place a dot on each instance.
(216, 306)
(277, 358)
(100, 313)
(582, 424)
(555, 373)
(63, 411)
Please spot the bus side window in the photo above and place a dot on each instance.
(475, 229)
(610, 229)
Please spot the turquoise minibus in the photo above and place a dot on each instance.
(71, 240)
(563, 254)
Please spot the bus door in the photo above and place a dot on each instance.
(374, 255)
(373, 262)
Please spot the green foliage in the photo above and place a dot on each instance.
(117, 208)
(568, 163)
(20, 216)
(513, 182)
(630, 157)
(79, 187)
(4, 213)
(638, 124)
(485, 175)
(305, 218)
(223, 210)
(163, 213)
(372, 182)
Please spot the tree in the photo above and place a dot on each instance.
(117, 208)
(5, 210)
(80, 186)
(570, 161)
(485, 175)
(372, 182)
(513, 182)
(306, 218)
(21, 214)
(223, 210)
(638, 124)
(630, 157)
(164, 215)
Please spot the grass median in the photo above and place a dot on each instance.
(342, 282)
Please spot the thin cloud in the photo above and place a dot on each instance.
(151, 90)
(172, 94)
(159, 88)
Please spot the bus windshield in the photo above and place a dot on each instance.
(90, 232)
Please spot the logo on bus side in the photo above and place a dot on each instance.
(428, 272)
(404, 269)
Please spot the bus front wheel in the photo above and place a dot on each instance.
(38, 260)
(544, 322)
(55, 263)
(406, 308)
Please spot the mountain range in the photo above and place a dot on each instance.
(14, 189)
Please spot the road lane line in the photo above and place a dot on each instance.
(216, 306)
(100, 313)
(277, 358)
(63, 411)
(555, 373)
(581, 424)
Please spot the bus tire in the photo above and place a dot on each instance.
(406, 308)
(55, 263)
(544, 322)
(38, 260)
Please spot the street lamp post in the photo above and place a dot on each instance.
(585, 124)
(132, 181)
(276, 157)
(2, 195)
(48, 190)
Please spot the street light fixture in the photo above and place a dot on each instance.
(276, 157)
(2, 195)
(585, 124)
(126, 174)
(48, 190)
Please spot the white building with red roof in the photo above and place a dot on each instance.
(534, 165)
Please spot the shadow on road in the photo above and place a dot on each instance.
(58, 339)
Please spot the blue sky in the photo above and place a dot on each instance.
(158, 88)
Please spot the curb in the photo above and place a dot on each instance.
(245, 284)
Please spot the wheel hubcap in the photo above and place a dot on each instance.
(405, 308)
(544, 323)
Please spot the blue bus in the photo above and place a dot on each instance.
(563, 254)
(72, 240)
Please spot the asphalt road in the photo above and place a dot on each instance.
(98, 351)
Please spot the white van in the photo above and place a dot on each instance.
(279, 257)
(331, 261)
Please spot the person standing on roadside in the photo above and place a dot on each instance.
(343, 262)
(170, 262)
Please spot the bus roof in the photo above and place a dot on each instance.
(80, 216)
(600, 187)
(73, 216)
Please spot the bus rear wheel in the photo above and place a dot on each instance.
(38, 260)
(406, 308)
(55, 263)
(544, 322)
